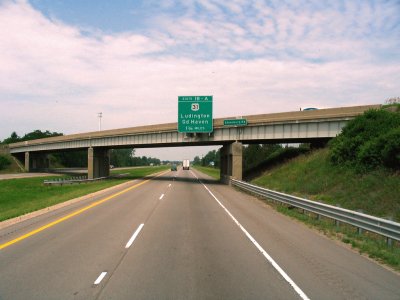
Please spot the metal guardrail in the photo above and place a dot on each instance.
(80, 179)
(72, 180)
(384, 227)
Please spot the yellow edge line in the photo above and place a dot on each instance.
(75, 213)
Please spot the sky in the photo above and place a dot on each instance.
(64, 61)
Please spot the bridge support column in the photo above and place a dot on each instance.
(27, 162)
(98, 163)
(231, 162)
(36, 161)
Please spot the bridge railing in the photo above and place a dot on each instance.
(72, 180)
(386, 228)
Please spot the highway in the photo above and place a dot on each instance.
(180, 235)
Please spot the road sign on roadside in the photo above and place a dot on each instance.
(195, 114)
(235, 122)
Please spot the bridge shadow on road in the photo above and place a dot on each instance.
(174, 178)
(185, 179)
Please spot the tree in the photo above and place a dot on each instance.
(71, 159)
(251, 156)
(369, 141)
(393, 100)
(122, 157)
(255, 154)
(14, 138)
(212, 157)
(38, 134)
(196, 161)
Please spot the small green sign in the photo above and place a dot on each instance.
(195, 114)
(235, 122)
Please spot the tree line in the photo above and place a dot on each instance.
(78, 159)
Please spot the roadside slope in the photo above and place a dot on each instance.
(312, 176)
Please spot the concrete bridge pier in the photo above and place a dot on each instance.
(35, 161)
(231, 162)
(98, 163)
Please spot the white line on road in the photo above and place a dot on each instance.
(258, 246)
(100, 278)
(132, 239)
(162, 196)
(169, 185)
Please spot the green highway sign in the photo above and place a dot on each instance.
(195, 114)
(235, 122)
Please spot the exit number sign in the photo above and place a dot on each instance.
(195, 114)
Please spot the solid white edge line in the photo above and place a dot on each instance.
(100, 278)
(162, 196)
(266, 255)
(132, 239)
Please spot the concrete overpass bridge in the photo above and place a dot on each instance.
(313, 126)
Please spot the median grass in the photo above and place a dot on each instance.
(21, 196)
(311, 176)
(210, 171)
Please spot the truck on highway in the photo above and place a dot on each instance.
(186, 164)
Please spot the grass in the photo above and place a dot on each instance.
(213, 172)
(12, 168)
(138, 172)
(21, 196)
(311, 176)
(373, 245)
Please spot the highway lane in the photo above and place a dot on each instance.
(62, 262)
(188, 248)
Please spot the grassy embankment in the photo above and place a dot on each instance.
(12, 168)
(213, 172)
(311, 176)
(21, 196)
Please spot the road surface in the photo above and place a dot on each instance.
(179, 237)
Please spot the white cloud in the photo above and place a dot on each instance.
(52, 76)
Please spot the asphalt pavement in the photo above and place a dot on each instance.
(180, 235)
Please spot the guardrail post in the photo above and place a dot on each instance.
(337, 222)
(389, 241)
(359, 230)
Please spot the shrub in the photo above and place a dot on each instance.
(369, 141)
(391, 149)
(4, 162)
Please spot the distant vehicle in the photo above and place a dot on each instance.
(186, 164)
(174, 167)
(310, 108)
